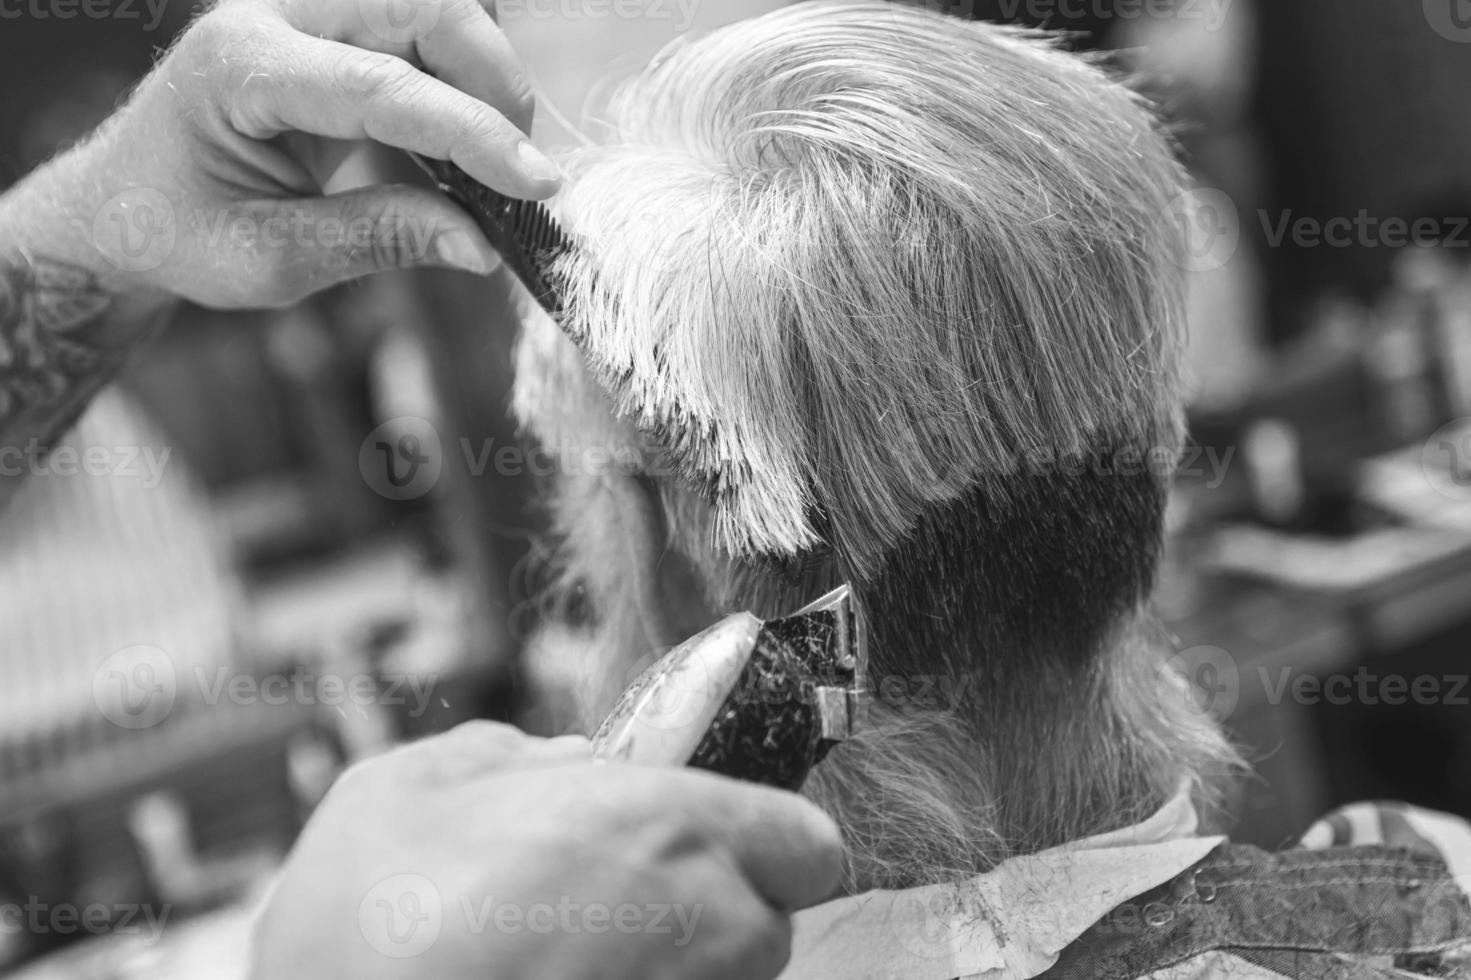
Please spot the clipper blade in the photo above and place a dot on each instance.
(800, 694)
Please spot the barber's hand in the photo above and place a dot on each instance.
(487, 853)
(207, 183)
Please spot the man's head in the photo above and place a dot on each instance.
(879, 296)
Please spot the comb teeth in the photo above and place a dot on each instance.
(523, 232)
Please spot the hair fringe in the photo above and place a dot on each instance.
(802, 215)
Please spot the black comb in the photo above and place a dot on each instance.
(523, 232)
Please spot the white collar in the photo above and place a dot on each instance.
(1007, 924)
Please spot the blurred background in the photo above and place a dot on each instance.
(299, 545)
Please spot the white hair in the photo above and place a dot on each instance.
(797, 210)
(881, 286)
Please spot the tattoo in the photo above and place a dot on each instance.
(50, 362)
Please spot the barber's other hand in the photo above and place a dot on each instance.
(207, 184)
(487, 853)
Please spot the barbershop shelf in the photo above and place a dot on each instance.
(179, 817)
(79, 768)
(1392, 586)
(1289, 608)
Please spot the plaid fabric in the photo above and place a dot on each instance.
(1372, 891)
(1375, 890)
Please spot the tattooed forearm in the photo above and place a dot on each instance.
(58, 347)
(49, 315)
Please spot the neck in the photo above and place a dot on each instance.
(955, 775)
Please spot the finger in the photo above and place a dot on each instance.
(338, 91)
(301, 247)
(733, 933)
(456, 40)
(572, 746)
(466, 49)
(480, 748)
(770, 955)
(485, 739)
(790, 851)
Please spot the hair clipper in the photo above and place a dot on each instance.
(760, 701)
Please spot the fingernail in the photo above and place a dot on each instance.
(537, 163)
(458, 250)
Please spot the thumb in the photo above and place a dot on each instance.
(336, 239)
